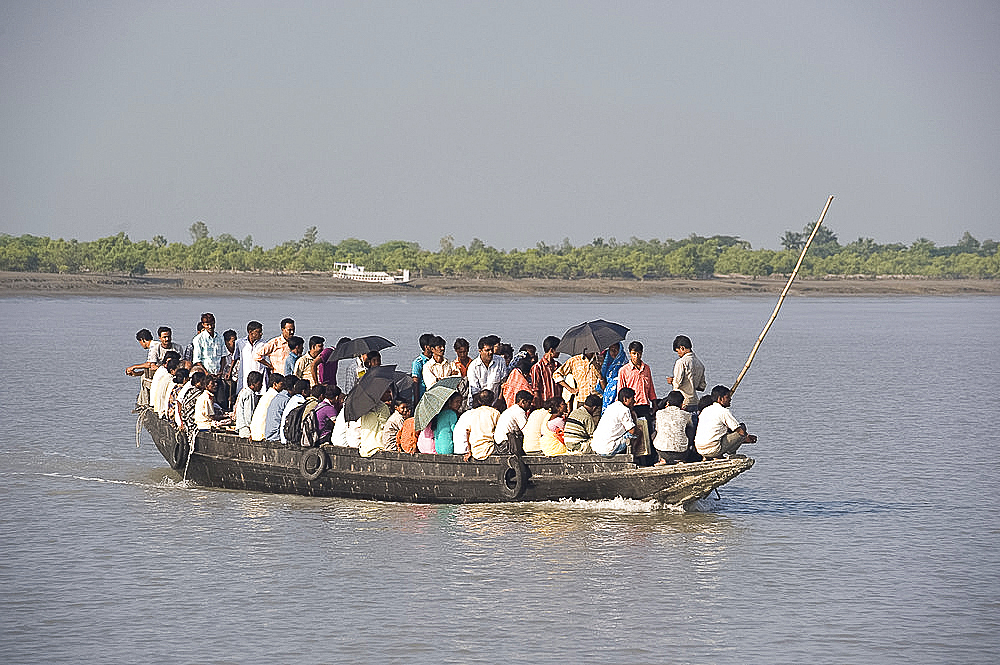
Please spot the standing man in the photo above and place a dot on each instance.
(209, 349)
(486, 371)
(689, 373)
(145, 339)
(587, 379)
(246, 355)
(417, 369)
(719, 433)
(273, 354)
(543, 383)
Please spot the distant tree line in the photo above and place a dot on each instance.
(691, 257)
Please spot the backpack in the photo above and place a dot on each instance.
(310, 430)
(293, 425)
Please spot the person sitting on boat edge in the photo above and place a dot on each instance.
(369, 427)
(401, 410)
(719, 433)
(616, 428)
(482, 425)
(551, 438)
(205, 414)
(326, 412)
(296, 397)
(246, 401)
(159, 388)
(673, 430)
(144, 370)
(258, 423)
(508, 436)
(197, 383)
(580, 425)
(689, 373)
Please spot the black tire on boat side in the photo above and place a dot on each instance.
(513, 477)
(179, 451)
(312, 463)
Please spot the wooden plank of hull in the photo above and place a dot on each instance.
(227, 461)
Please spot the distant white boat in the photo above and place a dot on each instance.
(359, 274)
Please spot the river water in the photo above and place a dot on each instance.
(866, 532)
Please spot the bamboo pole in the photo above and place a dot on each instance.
(781, 299)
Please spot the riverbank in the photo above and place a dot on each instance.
(24, 283)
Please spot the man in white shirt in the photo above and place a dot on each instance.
(482, 424)
(487, 371)
(246, 351)
(246, 400)
(616, 427)
(299, 393)
(689, 373)
(719, 433)
(508, 435)
(159, 390)
(258, 422)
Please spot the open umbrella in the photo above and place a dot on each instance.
(402, 385)
(359, 346)
(366, 395)
(591, 337)
(430, 404)
(449, 381)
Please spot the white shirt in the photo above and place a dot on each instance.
(159, 390)
(259, 419)
(482, 377)
(533, 430)
(513, 419)
(616, 420)
(433, 371)
(461, 434)
(689, 377)
(243, 412)
(245, 357)
(714, 422)
(204, 410)
(671, 422)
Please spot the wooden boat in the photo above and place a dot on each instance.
(227, 461)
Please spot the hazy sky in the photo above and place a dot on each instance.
(511, 122)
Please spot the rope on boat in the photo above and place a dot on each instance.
(192, 434)
(138, 430)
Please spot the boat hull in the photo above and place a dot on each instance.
(227, 461)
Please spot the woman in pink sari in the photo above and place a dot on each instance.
(517, 379)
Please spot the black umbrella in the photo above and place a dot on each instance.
(403, 385)
(366, 395)
(591, 337)
(359, 346)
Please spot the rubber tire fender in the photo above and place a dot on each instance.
(179, 451)
(310, 457)
(513, 477)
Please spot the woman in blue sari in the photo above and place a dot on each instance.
(614, 360)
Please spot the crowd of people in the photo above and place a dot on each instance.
(291, 390)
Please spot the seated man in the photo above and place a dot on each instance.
(326, 412)
(617, 426)
(159, 389)
(673, 425)
(580, 425)
(509, 434)
(483, 424)
(258, 423)
(296, 397)
(719, 433)
(246, 401)
(402, 409)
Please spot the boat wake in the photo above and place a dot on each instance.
(165, 483)
(618, 505)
